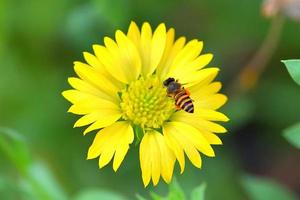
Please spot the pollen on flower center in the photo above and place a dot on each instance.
(145, 103)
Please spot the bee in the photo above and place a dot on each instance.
(179, 94)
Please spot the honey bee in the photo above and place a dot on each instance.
(179, 94)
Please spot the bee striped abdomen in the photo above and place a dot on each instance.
(183, 100)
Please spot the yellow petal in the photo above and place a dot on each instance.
(209, 76)
(211, 102)
(99, 67)
(167, 157)
(96, 115)
(170, 52)
(185, 56)
(200, 91)
(193, 155)
(134, 33)
(88, 100)
(175, 145)
(130, 59)
(110, 61)
(210, 115)
(188, 135)
(155, 161)
(86, 103)
(199, 62)
(110, 141)
(84, 86)
(106, 156)
(119, 58)
(94, 62)
(103, 122)
(96, 79)
(190, 79)
(145, 160)
(211, 138)
(156, 158)
(120, 155)
(157, 48)
(198, 122)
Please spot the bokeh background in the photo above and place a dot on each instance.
(43, 157)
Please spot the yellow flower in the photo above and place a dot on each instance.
(120, 91)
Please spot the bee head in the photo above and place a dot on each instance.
(168, 81)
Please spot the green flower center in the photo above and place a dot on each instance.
(145, 103)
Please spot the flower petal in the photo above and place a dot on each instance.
(151, 47)
(186, 55)
(213, 102)
(95, 63)
(187, 136)
(103, 122)
(170, 52)
(156, 158)
(120, 59)
(85, 87)
(134, 33)
(190, 79)
(86, 100)
(130, 58)
(200, 91)
(210, 115)
(96, 116)
(211, 138)
(157, 48)
(98, 80)
(110, 141)
(198, 122)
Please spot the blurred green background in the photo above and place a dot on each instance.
(43, 157)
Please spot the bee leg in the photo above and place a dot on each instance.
(178, 107)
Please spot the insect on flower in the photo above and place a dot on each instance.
(120, 92)
(180, 95)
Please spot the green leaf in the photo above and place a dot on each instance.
(93, 194)
(139, 197)
(40, 183)
(293, 67)
(198, 192)
(15, 148)
(265, 189)
(35, 179)
(175, 191)
(156, 196)
(292, 134)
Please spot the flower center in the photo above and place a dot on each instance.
(145, 103)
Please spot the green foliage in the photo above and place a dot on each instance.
(292, 134)
(13, 145)
(176, 193)
(264, 189)
(293, 67)
(198, 192)
(101, 194)
(35, 179)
